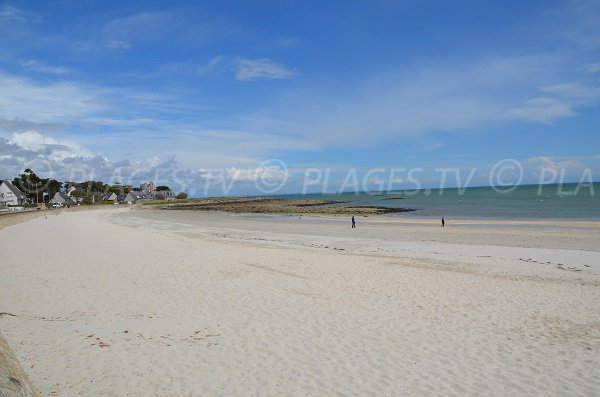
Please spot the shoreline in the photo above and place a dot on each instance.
(285, 206)
(407, 218)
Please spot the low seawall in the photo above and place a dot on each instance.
(13, 380)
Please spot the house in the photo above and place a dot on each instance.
(63, 198)
(148, 187)
(135, 196)
(165, 195)
(10, 194)
(108, 196)
(72, 189)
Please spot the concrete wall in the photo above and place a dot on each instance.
(13, 380)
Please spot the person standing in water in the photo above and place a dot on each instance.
(353, 222)
(443, 222)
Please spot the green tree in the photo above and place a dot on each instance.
(30, 184)
(52, 186)
(81, 195)
(182, 196)
(33, 186)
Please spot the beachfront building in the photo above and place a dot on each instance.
(63, 199)
(148, 187)
(165, 195)
(73, 189)
(136, 195)
(11, 195)
(108, 196)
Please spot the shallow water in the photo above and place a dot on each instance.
(566, 201)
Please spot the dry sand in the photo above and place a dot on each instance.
(177, 303)
(12, 218)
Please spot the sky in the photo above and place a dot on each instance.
(250, 97)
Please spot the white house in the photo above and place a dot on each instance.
(165, 195)
(10, 194)
(63, 198)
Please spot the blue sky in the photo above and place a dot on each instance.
(194, 93)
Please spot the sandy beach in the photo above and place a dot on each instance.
(130, 302)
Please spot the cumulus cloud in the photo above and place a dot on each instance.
(253, 69)
(554, 163)
(69, 161)
(60, 149)
(551, 169)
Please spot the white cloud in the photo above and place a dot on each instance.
(253, 69)
(173, 26)
(10, 12)
(592, 67)
(43, 68)
(541, 110)
(550, 169)
(54, 102)
(24, 102)
(60, 149)
(119, 45)
(573, 90)
(559, 101)
(255, 174)
(68, 161)
(145, 23)
(554, 163)
(415, 101)
(87, 111)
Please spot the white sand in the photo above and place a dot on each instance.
(156, 303)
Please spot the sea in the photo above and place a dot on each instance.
(551, 201)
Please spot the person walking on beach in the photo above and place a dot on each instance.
(353, 222)
(443, 222)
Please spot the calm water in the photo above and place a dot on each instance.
(524, 202)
